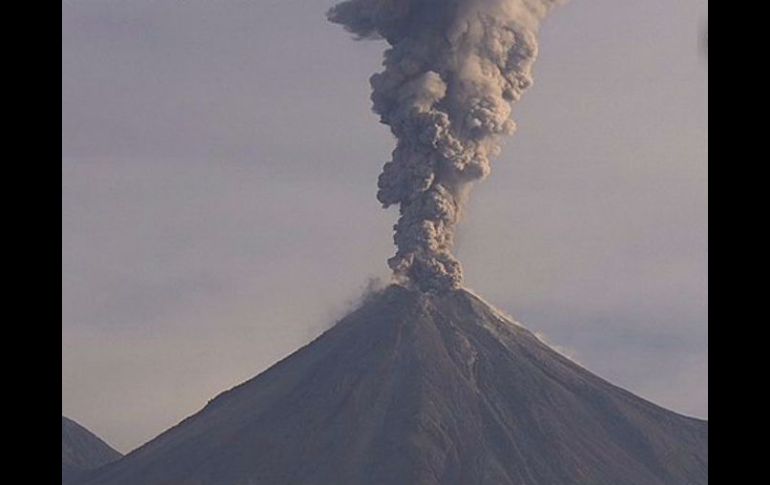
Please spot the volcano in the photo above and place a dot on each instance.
(420, 388)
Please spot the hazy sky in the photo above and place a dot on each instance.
(219, 165)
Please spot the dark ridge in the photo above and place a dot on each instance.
(82, 451)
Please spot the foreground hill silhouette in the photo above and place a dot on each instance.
(420, 389)
(81, 450)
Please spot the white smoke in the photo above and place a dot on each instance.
(450, 78)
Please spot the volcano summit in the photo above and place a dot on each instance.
(418, 388)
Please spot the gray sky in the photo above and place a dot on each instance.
(219, 165)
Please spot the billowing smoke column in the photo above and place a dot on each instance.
(453, 71)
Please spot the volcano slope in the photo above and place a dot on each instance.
(423, 389)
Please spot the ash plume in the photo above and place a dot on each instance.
(450, 78)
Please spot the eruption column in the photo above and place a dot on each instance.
(451, 75)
